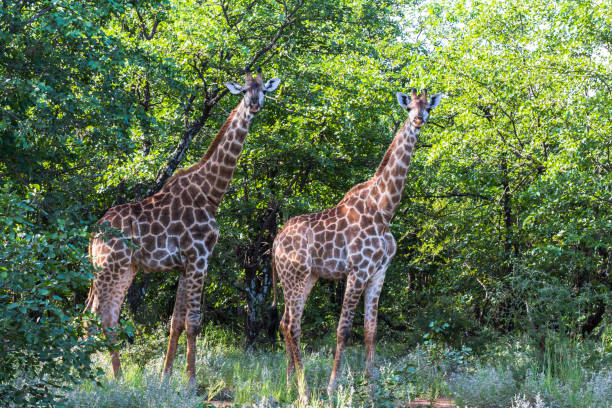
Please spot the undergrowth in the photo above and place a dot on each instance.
(512, 374)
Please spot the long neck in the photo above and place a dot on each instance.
(388, 183)
(218, 164)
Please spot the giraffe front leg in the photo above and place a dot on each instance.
(177, 325)
(353, 291)
(194, 281)
(370, 304)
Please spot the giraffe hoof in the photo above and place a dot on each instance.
(166, 374)
(371, 388)
(192, 383)
(304, 399)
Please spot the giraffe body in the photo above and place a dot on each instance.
(175, 229)
(350, 241)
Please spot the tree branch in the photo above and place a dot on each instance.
(15, 27)
(453, 194)
(191, 129)
(143, 28)
(286, 23)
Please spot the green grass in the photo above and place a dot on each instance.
(566, 374)
(510, 375)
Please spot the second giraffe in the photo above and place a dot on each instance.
(350, 241)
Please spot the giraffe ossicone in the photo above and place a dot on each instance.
(350, 241)
(174, 229)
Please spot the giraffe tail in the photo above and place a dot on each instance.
(273, 265)
(273, 320)
(90, 298)
(92, 292)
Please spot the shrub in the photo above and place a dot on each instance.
(521, 401)
(483, 387)
(43, 340)
(599, 388)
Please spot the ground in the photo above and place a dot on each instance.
(571, 375)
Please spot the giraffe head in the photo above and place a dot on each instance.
(254, 89)
(418, 106)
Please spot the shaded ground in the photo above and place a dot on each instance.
(439, 403)
(219, 403)
(420, 403)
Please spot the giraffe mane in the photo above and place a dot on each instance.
(217, 139)
(354, 190)
(379, 171)
(209, 152)
(388, 153)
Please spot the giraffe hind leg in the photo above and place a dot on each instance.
(110, 294)
(288, 345)
(295, 300)
(177, 325)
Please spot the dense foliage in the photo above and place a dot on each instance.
(61, 78)
(41, 269)
(505, 225)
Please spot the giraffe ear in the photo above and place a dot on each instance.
(234, 87)
(435, 101)
(403, 99)
(271, 85)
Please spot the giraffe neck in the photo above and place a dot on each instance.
(390, 179)
(218, 164)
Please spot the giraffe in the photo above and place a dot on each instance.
(350, 241)
(175, 229)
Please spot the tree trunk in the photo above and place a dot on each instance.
(507, 216)
(260, 316)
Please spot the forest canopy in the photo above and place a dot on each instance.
(505, 225)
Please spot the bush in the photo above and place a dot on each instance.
(44, 342)
(520, 401)
(484, 387)
(565, 375)
(599, 388)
